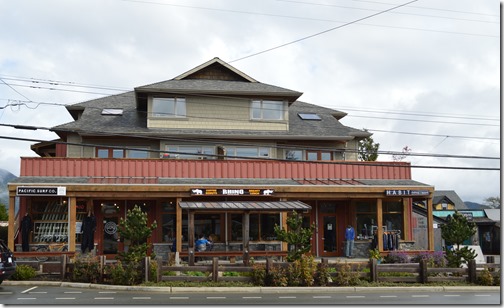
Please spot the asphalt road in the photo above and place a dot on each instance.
(82, 295)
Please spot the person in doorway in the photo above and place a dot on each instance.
(349, 238)
(88, 229)
(26, 228)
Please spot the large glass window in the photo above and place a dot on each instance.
(248, 152)
(169, 219)
(366, 219)
(267, 110)
(318, 155)
(393, 215)
(138, 154)
(208, 225)
(109, 153)
(294, 154)
(262, 226)
(184, 152)
(169, 107)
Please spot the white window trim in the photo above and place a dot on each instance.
(261, 118)
(177, 100)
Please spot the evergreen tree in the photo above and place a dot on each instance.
(368, 149)
(456, 230)
(297, 237)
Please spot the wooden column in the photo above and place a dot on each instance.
(72, 218)
(284, 216)
(379, 223)
(178, 226)
(430, 225)
(246, 230)
(190, 236)
(12, 222)
(407, 204)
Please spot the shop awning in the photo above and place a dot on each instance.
(246, 205)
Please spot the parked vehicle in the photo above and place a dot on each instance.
(7, 262)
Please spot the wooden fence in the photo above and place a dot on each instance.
(216, 270)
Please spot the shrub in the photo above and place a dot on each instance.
(486, 278)
(323, 276)
(302, 272)
(23, 272)
(124, 273)
(434, 259)
(396, 257)
(86, 269)
(258, 274)
(345, 276)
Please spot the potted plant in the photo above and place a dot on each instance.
(375, 254)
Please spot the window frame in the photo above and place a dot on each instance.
(257, 108)
(179, 107)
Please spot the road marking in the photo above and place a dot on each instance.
(27, 298)
(107, 292)
(388, 295)
(423, 295)
(322, 296)
(142, 297)
(179, 297)
(72, 292)
(28, 290)
(251, 297)
(355, 296)
(482, 295)
(215, 297)
(65, 298)
(286, 297)
(38, 292)
(452, 295)
(103, 298)
(6, 292)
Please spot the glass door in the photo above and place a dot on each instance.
(110, 220)
(329, 244)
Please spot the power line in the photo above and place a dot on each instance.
(432, 135)
(323, 32)
(219, 141)
(255, 158)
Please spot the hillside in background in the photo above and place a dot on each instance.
(476, 206)
(5, 178)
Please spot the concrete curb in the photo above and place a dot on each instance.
(255, 289)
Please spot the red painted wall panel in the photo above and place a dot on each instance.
(77, 167)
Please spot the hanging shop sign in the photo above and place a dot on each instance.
(41, 191)
(406, 192)
(231, 192)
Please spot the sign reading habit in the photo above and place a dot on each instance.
(231, 192)
(41, 191)
(406, 192)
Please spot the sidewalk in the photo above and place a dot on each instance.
(253, 289)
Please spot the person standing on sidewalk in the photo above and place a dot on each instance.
(349, 238)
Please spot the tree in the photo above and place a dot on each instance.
(493, 202)
(456, 230)
(400, 157)
(368, 149)
(135, 230)
(298, 238)
(4, 215)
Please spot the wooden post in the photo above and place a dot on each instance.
(471, 271)
(178, 230)
(11, 231)
(158, 269)
(72, 218)
(269, 265)
(379, 223)
(430, 225)
(373, 273)
(147, 267)
(423, 271)
(63, 266)
(190, 236)
(215, 269)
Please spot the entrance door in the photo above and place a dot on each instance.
(329, 243)
(110, 236)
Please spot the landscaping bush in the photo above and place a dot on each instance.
(434, 259)
(396, 257)
(124, 273)
(86, 269)
(346, 276)
(23, 272)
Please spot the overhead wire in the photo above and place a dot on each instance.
(376, 163)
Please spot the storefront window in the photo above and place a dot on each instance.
(169, 219)
(262, 226)
(50, 220)
(393, 215)
(208, 225)
(366, 219)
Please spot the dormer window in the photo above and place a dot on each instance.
(169, 107)
(267, 110)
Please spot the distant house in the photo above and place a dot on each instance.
(447, 200)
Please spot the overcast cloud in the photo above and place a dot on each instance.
(431, 62)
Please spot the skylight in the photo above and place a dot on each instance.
(309, 116)
(112, 111)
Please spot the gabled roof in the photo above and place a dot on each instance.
(450, 195)
(212, 63)
(216, 77)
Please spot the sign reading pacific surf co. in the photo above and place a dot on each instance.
(41, 191)
(231, 192)
(406, 192)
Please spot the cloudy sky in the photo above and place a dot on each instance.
(425, 75)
